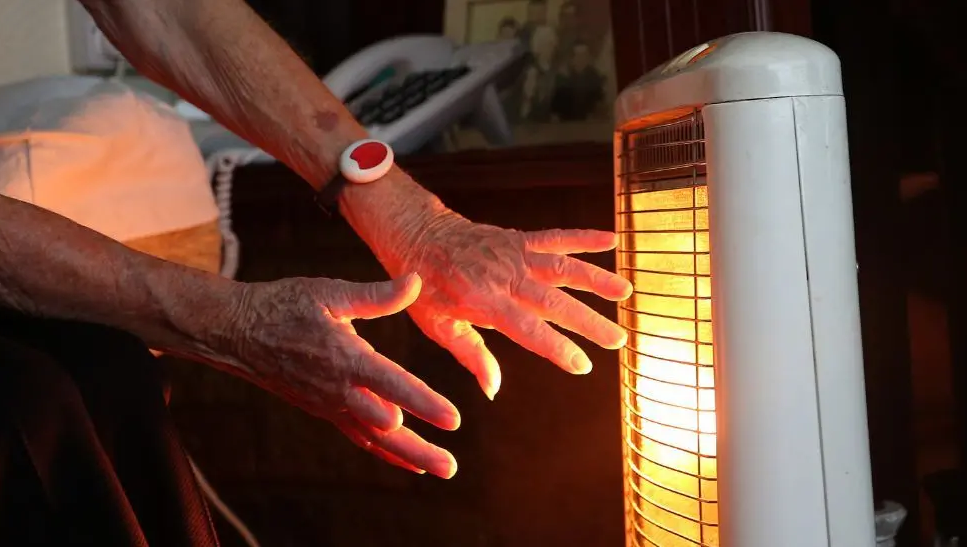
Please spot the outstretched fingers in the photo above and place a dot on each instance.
(355, 434)
(531, 332)
(563, 309)
(372, 410)
(466, 345)
(394, 384)
(564, 271)
(402, 447)
(569, 241)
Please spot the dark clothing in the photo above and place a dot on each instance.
(88, 452)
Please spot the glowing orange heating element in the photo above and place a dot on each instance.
(667, 375)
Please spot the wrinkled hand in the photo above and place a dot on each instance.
(294, 338)
(476, 274)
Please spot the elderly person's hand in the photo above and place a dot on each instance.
(294, 338)
(476, 274)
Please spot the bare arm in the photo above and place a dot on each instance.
(292, 337)
(52, 267)
(223, 57)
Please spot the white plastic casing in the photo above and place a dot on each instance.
(793, 448)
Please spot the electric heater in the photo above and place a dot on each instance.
(743, 401)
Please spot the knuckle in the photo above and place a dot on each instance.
(357, 365)
(532, 327)
(438, 330)
(478, 345)
(550, 301)
(375, 439)
(336, 297)
(371, 292)
(346, 401)
(463, 332)
(560, 265)
(549, 235)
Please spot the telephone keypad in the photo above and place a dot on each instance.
(399, 97)
(391, 115)
(414, 100)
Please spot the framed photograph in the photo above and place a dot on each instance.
(565, 90)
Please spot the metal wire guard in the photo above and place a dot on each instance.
(668, 402)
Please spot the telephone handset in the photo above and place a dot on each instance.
(407, 90)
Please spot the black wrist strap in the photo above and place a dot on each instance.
(327, 198)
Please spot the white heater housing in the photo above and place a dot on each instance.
(733, 194)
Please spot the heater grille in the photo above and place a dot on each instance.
(668, 397)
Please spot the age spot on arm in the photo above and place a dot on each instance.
(326, 120)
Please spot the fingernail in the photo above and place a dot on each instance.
(580, 364)
(490, 387)
(620, 340)
(451, 468)
(407, 279)
(445, 468)
(627, 290)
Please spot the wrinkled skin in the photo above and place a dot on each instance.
(294, 338)
(476, 274)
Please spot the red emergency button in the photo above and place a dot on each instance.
(365, 161)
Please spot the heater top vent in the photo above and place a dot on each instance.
(664, 156)
(740, 67)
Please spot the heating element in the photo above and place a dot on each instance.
(667, 365)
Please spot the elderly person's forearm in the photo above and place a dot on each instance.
(52, 267)
(292, 337)
(221, 56)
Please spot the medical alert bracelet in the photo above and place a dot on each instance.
(362, 162)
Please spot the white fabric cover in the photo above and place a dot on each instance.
(103, 155)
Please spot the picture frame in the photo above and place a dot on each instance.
(565, 90)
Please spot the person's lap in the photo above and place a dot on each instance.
(88, 452)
